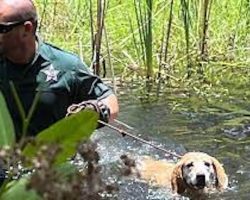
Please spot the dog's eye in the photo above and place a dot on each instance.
(190, 165)
(207, 164)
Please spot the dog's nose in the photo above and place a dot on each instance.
(200, 180)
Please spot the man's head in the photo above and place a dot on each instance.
(18, 22)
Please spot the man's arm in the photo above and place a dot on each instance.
(112, 103)
(90, 91)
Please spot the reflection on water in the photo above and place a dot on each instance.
(180, 123)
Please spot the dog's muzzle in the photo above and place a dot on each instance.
(200, 181)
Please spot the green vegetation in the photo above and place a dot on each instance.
(185, 42)
(197, 45)
(48, 151)
(6, 126)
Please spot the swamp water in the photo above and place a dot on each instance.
(179, 122)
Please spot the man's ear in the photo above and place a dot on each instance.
(28, 28)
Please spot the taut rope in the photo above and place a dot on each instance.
(81, 106)
(125, 133)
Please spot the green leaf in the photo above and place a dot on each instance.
(7, 131)
(66, 133)
(17, 190)
(66, 170)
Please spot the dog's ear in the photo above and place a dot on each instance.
(221, 176)
(177, 182)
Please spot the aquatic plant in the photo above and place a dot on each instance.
(186, 43)
(40, 157)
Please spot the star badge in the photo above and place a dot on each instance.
(51, 73)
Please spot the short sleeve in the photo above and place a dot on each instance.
(87, 85)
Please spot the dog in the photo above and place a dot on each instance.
(194, 175)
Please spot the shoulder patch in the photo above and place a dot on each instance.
(51, 73)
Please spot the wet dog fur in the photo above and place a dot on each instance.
(194, 175)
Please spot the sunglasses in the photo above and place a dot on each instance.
(8, 26)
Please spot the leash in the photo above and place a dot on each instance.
(89, 104)
(125, 133)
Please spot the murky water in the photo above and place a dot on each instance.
(180, 122)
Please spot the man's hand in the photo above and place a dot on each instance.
(96, 105)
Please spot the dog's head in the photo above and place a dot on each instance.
(198, 171)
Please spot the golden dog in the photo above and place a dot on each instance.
(194, 175)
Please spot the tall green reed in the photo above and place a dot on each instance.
(205, 11)
(187, 23)
(97, 36)
(143, 11)
(43, 13)
(203, 23)
(165, 40)
(198, 35)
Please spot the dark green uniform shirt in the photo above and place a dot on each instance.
(61, 77)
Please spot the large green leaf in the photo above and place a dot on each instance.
(66, 170)
(67, 133)
(17, 190)
(7, 131)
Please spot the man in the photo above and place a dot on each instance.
(32, 67)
